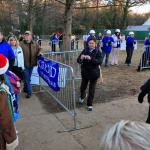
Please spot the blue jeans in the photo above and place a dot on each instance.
(27, 79)
(106, 58)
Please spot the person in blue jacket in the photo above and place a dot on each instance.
(6, 50)
(107, 43)
(90, 36)
(130, 41)
(145, 60)
(89, 59)
(54, 40)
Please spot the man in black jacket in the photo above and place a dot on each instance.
(145, 90)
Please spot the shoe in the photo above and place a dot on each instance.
(28, 95)
(89, 108)
(81, 100)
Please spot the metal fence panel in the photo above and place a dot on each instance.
(145, 58)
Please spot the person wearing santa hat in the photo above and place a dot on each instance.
(8, 137)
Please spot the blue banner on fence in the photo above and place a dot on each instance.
(48, 71)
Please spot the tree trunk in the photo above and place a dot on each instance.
(30, 17)
(67, 26)
(125, 15)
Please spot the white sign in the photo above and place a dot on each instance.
(35, 77)
(62, 77)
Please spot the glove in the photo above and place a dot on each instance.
(141, 97)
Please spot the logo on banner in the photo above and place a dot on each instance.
(48, 71)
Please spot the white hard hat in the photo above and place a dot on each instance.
(108, 32)
(117, 30)
(131, 33)
(92, 32)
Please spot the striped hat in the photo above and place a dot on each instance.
(4, 64)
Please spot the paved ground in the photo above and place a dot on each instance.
(39, 129)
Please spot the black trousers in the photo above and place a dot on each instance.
(92, 85)
(53, 47)
(129, 55)
(148, 118)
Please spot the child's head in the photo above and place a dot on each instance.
(4, 64)
(92, 43)
(127, 135)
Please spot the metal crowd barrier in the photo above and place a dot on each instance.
(66, 95)
(67, 57)
(145, 58)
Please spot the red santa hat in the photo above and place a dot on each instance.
(4, 64)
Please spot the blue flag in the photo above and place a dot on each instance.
(48, 71)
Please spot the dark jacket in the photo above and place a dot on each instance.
(145, 90)
(7, 130)
(90, 68)
(30, 51)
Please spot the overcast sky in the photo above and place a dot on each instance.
(141, 9)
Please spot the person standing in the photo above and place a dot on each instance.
(89, 59)
(145, 60)
(91, 35)
(107, 43)
(31, 50)
(130, 41)
(6, 50)
(8, 137)
(116, 47)
(145, 90)
(18, 66)
(54, 40)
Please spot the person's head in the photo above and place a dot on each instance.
(28, 36)
(1, 36)
(13, 41)
(4, 64)
(100, 34)
(117, 31)
(127, 135)
(92, 43)
(108, 33)
(131, 34)
(92, 32)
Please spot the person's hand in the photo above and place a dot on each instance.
(82, 57)
(88, 57)
(141, 97)
(18, 84)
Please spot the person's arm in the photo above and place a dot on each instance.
(11, 56)
(145, 89)
(6, 123)
(79, 60)
(96, 60)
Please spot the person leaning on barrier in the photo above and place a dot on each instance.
(89, 59)
(145, 60)
(127, 135)
(145, 90)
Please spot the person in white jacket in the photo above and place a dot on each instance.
(116, 47)
(19, 57)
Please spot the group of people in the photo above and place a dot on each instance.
(111, 44)
(124, 134)
(17, 60)
(91, 58)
